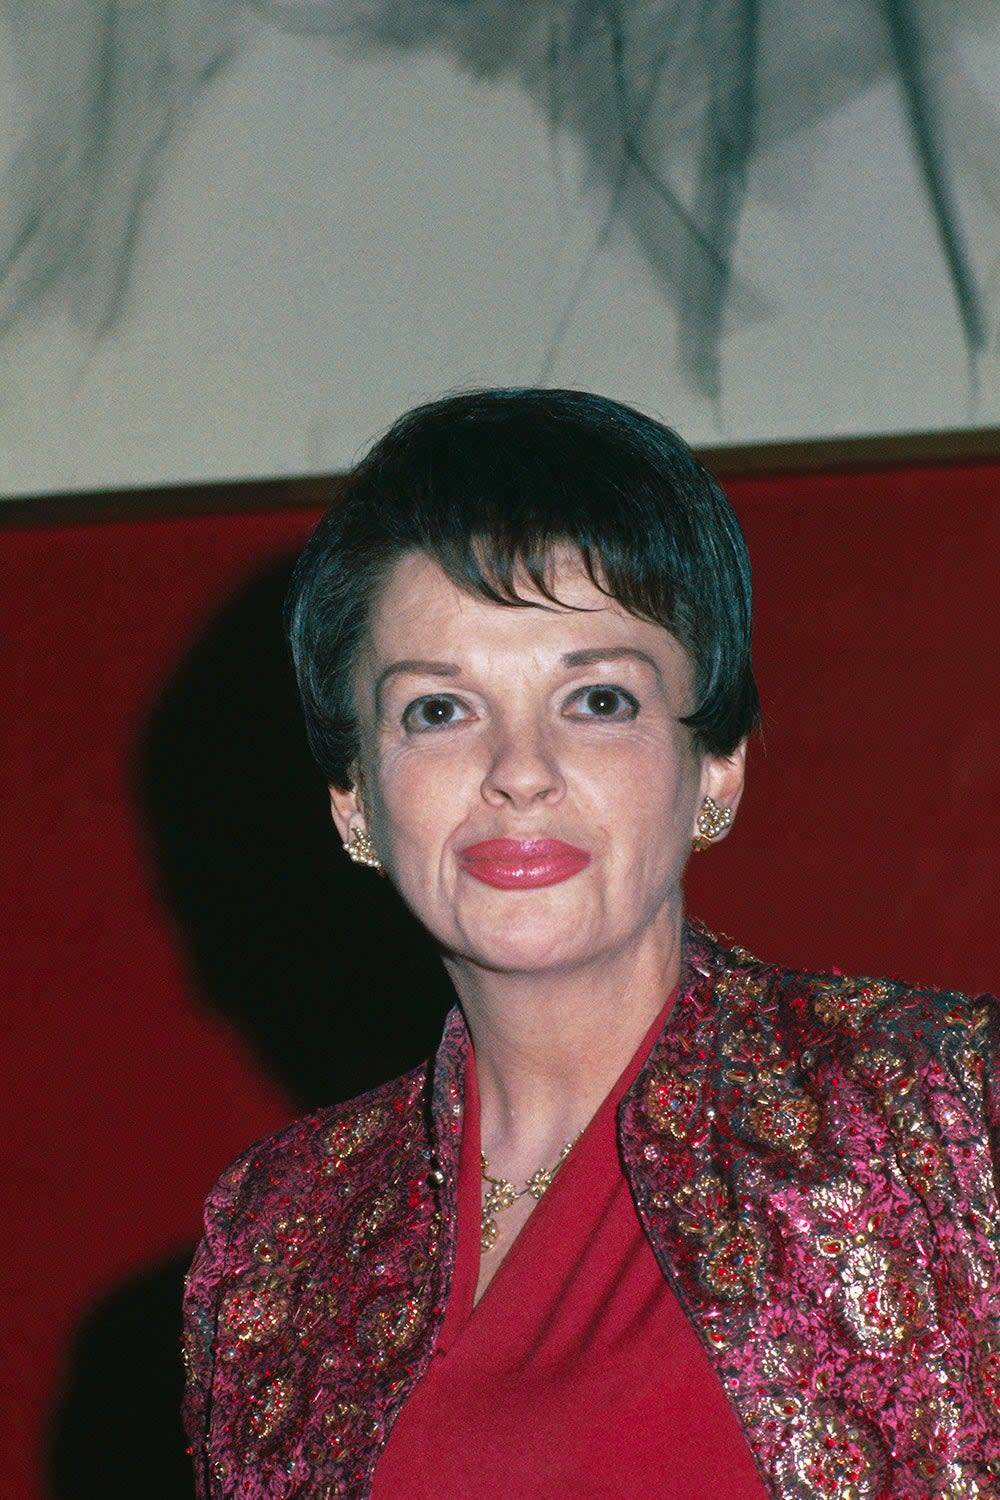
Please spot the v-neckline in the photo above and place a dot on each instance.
(462, 1304)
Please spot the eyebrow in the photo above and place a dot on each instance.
(413, 666)
(592, 656)
(597, 654)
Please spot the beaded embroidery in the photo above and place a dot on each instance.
(808, 1157)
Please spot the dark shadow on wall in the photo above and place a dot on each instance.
(314, 960)
(117, 1433)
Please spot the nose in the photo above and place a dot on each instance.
(523, 769)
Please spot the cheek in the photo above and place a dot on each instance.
(649, 779)
(419, 798)
(649, 808)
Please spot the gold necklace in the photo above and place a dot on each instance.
(501, 1193)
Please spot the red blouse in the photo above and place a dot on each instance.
(577, 1374)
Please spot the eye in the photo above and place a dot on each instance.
(436, 711)
(602, 701)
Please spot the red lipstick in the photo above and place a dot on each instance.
(520, 864)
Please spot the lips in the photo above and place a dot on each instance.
(520, 864)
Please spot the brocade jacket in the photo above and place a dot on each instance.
(814, 1162)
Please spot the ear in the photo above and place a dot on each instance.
(722, 779)
(346, 809)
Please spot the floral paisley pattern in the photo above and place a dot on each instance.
(809, 1156)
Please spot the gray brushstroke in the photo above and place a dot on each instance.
(721, 188)
(672, 100)
(909, 47)
(108, 85)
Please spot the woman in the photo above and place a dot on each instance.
(742, 1221)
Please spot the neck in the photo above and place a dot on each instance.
(550, 1047)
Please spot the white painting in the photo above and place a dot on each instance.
(237, 239)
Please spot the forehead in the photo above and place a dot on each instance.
(419, 606)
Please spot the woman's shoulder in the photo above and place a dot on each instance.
(872, 1011)
(860, 1013)
(319, 1151)
(887, 1030)
(282, 1223)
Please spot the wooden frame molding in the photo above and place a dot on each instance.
(317, 491)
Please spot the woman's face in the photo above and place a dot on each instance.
(524, 776)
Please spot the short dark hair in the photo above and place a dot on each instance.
(490, 484)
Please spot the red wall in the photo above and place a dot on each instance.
(176, 904)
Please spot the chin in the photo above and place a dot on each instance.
(523, 963)
(518, 953)
(520, 933)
